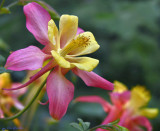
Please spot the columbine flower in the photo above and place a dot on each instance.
(9, 99)
(63, 48)
(128, 106)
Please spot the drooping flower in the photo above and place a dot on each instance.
(9, 99)
(128, 106)
(63, 48)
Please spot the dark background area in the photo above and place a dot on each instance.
(128, 32)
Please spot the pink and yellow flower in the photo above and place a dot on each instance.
(9, 99)
(128, 106)
(63, 48)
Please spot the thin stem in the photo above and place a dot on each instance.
(29, 104)
(2, 4)
(12, 4)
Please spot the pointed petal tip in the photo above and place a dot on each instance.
(111, 86)
(60, 95)
(94, 80)
(37, 21)
(29, 58)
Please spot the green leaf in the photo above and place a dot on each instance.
(85, 125)
(110, 127)
(114, 122)
(82, 126)
(5, 10)
(121, 128)
(77, 126)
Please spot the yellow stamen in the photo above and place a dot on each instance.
(79, 42)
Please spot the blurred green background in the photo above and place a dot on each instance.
(128, 32)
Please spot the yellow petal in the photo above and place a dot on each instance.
(119, 87)
(5, 80)
(139, 97)
(149, 112)
(60, 60)
(82, 44)
(68, 28)
(83, 63)
(53, 33)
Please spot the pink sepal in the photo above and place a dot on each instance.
(60, 92)
(92, 79)
(37, 19)
(30, 58)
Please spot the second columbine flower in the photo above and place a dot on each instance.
(128, 106)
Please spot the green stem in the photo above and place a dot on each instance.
(29, 104)
(12, 4)
(2, 4)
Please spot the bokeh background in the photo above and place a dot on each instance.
(128, 32)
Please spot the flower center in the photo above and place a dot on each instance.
(75, 44)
